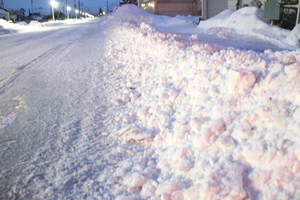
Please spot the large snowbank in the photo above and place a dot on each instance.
(215, 123)
(134, 14)
(6, 27)
(248, 20)
(34, 25)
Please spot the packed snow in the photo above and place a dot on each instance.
(188, 114)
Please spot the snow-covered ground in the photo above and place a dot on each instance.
(137, 106)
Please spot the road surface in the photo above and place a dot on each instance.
(52, 107)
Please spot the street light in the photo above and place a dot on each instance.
(76, 11)
(53, 4)
(68, 8)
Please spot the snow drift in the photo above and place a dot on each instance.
(215, 123)
(134, 14)
(247, 20)
(294, 37)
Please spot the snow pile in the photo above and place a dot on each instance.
(35, 24)
(294, 37)
(215, 123)
(3, 22)
(22, 23)
(6, 27)
(246, 20)
(134, 14)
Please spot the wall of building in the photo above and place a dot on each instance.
(4, 15)
(232, 4)
(173, 9)
(215, 7)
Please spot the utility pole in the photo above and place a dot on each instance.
(2, 4)
(67, 9)
(60, 8)
(79, 9)
(107, 10)
(53, 18)
(32, 6)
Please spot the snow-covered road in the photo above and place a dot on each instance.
(136, 106)
(52, 105)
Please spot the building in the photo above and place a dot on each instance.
(289, 10)
(171, 7)
(4, 14)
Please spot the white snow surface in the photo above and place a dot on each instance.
(184, 118)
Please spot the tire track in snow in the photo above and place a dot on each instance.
(8, 82)
(62, 43)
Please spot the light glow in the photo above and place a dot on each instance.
(54, 4)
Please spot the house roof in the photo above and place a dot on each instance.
(3, 11)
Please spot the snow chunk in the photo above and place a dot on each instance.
(135, 180)
(134, 133)
(169, 186)
(240, 82)
(292, 70)
(149, 188)
(124, 197)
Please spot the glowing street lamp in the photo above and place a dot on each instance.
(53, 4)
(76, 11)
(68, 8)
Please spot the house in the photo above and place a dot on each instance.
(289, 10)
(170, 7)
(19, 14)
(4, 14)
